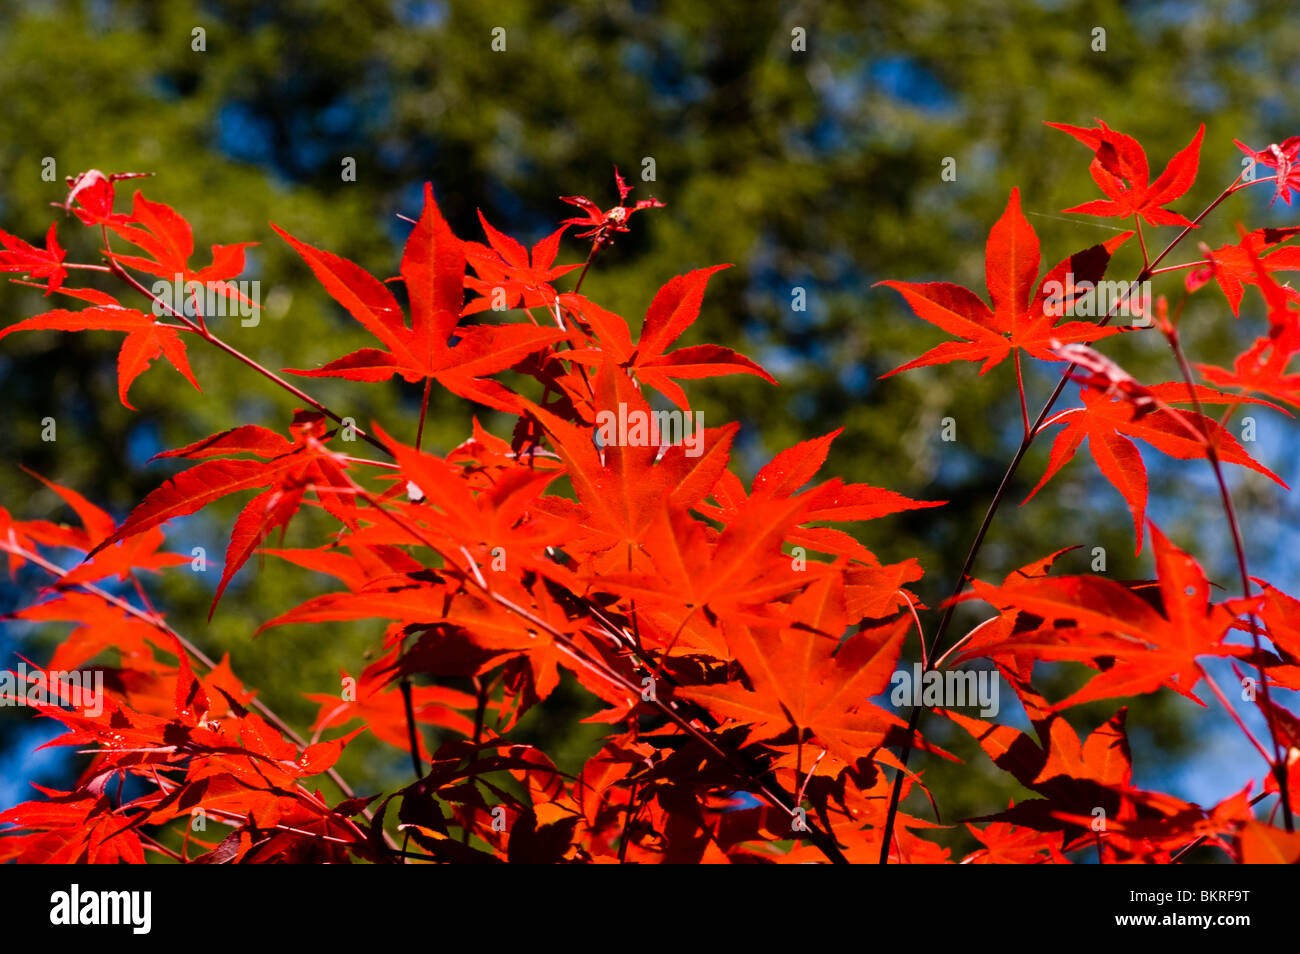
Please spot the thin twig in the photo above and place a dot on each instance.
(1277, 763)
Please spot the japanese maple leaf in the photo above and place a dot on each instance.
(288, 468)
(1120, 169)
(802, 682)
(1262, 368)
(91, 194)
(159, 231)
(1104, 758)
(1071, 778)
(602, 226)
(1282, 159)
(1009, 621)
(622, 489)
(30, 534)
(788, 474)
(1149, 647)
(674, 309)
(70, 828)
(498, 519)
(505, 268)
(1020, 317)
(844, 593)
(100, 626)
(1007, 844)
(166, 237)
(1248, 262)
(433, 270)
(47, 263)
(1094, 370)
(146, 339)
(1280, 614)
(1108, 423)
(874, 592)
(380, 706)
(744, 567)
(137, 553)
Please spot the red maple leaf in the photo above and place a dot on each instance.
(91, 194)
(1020, 317)
(137, 553)
(675, 308)
(1282, 159)
(1248, 262)
(146, 339)
(381, 709)
(166, 236)
(1120, 169)
(788, 474)
(433, 270)
(1262, 368)
(1100, 619)
(1108, 423)
(802, 682)
(46, 263)
(289, 468)
(508, 276)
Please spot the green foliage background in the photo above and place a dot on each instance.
(818, 170)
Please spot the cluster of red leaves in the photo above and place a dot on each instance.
(736, 673)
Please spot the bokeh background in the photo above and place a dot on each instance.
(817, 169)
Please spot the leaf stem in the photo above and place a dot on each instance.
(1146, 259)
(591, 257)
(424, 409)
(1179, 268)
(1020, 387)
(1236, 717)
